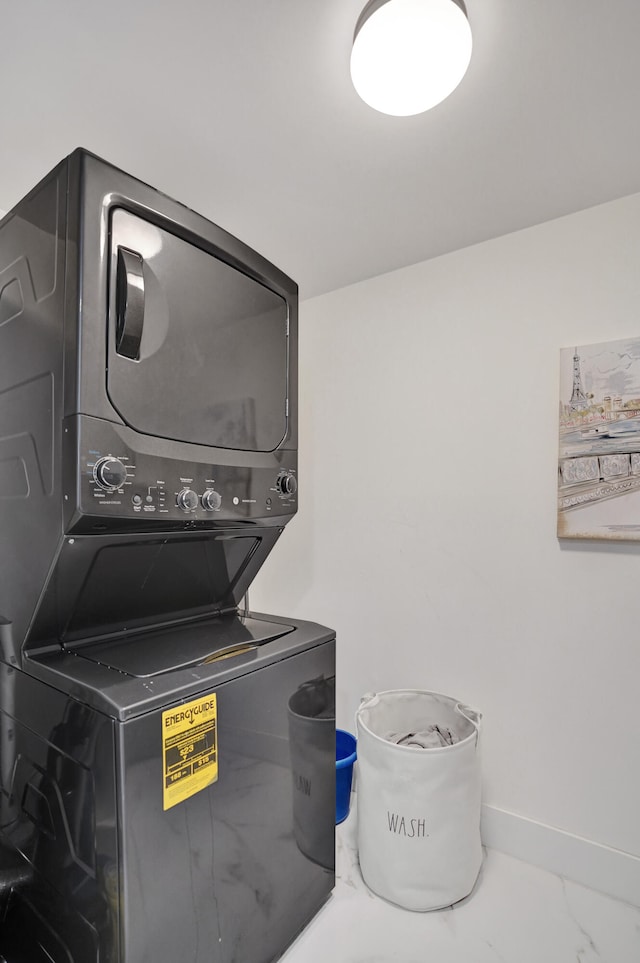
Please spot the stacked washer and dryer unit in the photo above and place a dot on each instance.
(151, 805)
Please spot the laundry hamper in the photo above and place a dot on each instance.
(418, 808)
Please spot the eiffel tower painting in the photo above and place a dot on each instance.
(599, 441)
(579, 400)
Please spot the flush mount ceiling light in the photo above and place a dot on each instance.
(408, 55)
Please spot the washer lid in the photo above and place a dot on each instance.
(167, 650)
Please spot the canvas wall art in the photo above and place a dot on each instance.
(599, 451)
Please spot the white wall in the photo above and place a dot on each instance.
(426, 532)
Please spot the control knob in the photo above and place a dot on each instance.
(109, 473)
(287, 483)
(187, 500)
(211, 500)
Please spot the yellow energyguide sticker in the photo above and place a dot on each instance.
(189, 749)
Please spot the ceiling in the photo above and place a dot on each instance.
(244, 111)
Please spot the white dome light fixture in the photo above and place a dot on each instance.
(408, 55)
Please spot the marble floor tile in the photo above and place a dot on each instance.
(517, 913)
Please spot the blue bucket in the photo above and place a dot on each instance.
(345, 758)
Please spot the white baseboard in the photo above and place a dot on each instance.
(609, 871)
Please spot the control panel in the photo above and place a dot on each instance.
(117, 482)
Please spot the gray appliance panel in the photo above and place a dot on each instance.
(149, 491)
(58, 805)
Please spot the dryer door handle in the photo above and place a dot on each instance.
(129, 303)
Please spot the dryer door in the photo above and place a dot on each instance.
(198, 350)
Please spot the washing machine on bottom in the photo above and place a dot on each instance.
(153, 809)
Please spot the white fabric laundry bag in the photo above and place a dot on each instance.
(418, 808)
